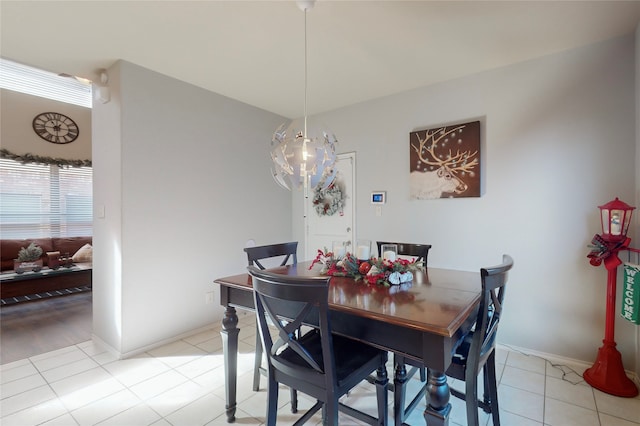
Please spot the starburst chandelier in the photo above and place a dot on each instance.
(303, 157)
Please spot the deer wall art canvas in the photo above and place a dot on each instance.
(445, 162)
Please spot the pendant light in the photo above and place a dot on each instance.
(303, 156)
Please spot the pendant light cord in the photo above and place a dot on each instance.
(305, 73)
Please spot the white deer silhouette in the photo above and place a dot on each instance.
(442, 176)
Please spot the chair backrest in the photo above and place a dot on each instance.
(287, 302)
(419, 251)
(494, 280)
(256, 254)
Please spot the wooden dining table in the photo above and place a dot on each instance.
(423, 320)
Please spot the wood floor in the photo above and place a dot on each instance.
(33, 328)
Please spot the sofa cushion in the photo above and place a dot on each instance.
(84, 254)
(70, 245)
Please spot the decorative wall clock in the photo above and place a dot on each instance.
(55, 127)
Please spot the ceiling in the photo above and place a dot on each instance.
(253, 51)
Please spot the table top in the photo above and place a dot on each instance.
(437, 301)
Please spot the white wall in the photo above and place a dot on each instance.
(184, 177)
(558, 140)
(17, 135)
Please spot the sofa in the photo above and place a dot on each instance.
(47, 280)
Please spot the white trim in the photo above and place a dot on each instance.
(124, 355)
(557, 359)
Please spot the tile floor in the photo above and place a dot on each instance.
(182, 384)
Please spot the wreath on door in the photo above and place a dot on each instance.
(328, 201)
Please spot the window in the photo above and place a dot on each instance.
(38, 201)
(33, 81)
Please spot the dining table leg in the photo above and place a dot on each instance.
(438, 409)
(229, 335)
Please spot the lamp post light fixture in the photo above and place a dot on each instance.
(607, 373)
(615, 217)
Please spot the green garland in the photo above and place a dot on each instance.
(31, 158)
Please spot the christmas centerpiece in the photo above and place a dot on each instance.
(373, 271)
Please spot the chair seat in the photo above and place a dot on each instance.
(350, 356)
(459, 361)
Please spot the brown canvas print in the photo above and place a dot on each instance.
(445, 162)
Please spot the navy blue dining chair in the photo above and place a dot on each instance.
(401, 410)
(476, 351)
(317, 363)
(258, 256)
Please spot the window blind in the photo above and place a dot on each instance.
(34, 81)
(39, 201)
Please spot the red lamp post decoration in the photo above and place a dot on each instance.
(607, 373)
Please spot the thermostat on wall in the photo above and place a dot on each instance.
(378, 197)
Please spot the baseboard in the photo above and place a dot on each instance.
(557, 359)
(135, 352)
(104, 345)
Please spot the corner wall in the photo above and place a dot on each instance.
(184, 177)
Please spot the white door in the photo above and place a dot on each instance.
(325, 223)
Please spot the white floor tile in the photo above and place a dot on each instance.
(580, 394)
(25, 400)
(135, 370)
(199, 412)
(523, 379)
(607, 420)
(510, 419)
(23, 384)
(559, 413)
(176, 398)
(17, 370)
(526, 362)
(86, 388)
(157, 385)
(58, 358)
(105, 408)
(568, 372)
(201, 365)
(68, 370)
(48, 411)
(139, 415)
(521, 402)
(624, 408)
(182, 383)
(212, 345)
(63, 420)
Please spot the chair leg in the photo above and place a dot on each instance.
(382, 387)
(294, 400)
(257, 361)
(423, 374)
(471, 398)
(490, 379)
(272, 402)
(330, 412)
